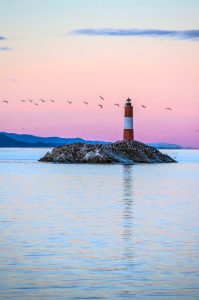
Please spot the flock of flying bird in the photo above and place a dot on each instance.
(84, 102)
(51, 100)
(70, 102)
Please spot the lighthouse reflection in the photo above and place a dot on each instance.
(128, 194)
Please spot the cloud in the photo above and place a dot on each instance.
(155, 33)
(11, 79)
(5, 49)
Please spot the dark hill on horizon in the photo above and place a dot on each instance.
(28, 140)
(8, 142)
(36, 139)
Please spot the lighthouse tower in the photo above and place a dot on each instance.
(128, 121)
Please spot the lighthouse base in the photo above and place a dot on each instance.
(128, 135)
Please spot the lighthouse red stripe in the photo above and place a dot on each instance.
(128, 134)
(128, 111)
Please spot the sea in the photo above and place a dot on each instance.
(88, 231)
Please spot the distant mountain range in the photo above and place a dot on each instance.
(162, 145)
(29, 141)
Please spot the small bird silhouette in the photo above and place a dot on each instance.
(52, 100)
(30, 100)
(168, 108)
(42, 100)
(100, 105)
(70, 102)
(23, 100)
(85, 102)
(5, 101)
(101, 97)
(36, 103)
(117, 104)
(143, 106)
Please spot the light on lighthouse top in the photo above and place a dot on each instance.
(128, 102)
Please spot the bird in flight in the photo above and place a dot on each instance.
(168, 108)
(85, 102)
(100, 105)
(101, 97)
(42, 100)
(143, 106)
(23, 100)
(5, 101)
(52, 100)
(30, 100)
(117, 104)
(36, 103)
(70, 102)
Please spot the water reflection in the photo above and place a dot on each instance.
(128, 211)
(98, 232)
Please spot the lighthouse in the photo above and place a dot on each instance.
(128, 121)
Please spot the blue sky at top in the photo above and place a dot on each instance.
(23, 18)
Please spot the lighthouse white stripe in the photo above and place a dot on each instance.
(128, 123)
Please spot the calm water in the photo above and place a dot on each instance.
(98, 231)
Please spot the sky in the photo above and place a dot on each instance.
(81, 49)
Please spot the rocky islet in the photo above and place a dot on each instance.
(124, 152)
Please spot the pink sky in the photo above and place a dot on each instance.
(155, 72)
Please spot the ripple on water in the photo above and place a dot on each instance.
(98, 231)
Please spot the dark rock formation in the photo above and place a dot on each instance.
(125, 152)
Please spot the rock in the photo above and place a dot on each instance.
(124, 152)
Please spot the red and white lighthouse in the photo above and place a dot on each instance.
(128, 121)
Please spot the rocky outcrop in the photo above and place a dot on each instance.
(124, 152)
